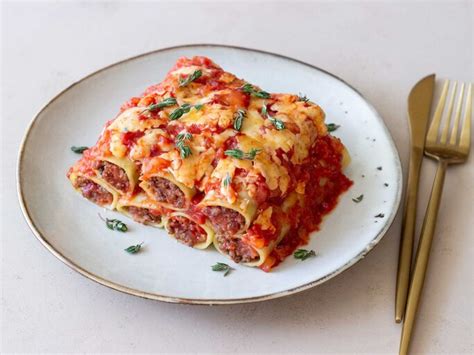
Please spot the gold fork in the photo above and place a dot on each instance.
(445, 152)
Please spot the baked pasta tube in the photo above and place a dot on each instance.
(217, 160)
(186, 229)
(253, 247)
(142, 209)
(84, 179)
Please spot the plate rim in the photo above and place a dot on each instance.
(195, 301)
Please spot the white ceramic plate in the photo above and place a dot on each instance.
(69, 227)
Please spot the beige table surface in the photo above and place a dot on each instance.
(381, 48)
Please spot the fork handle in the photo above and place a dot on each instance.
(422, 257)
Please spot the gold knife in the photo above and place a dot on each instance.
(419, 105)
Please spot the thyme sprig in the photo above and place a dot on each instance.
(303, 254)
(190, 78)
(185, 108)
(227, 180)
(222, 267)
(332, 127)
(133, 249)
(184, 150)
(250, 89)
(79, 150)
(239, 116)
(302, 97)
(169, 101)
(238, 154)
(114, 224)
(279, 125)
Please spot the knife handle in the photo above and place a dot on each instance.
(408, 233)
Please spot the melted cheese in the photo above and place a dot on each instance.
(145, 144)
(275, 174)
(128, 121)
(188, 170)
(117, 148)
(264, 220)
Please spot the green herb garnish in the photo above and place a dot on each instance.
(304, 254)
(222, 267)
(185, 108)
(239, 118)
(358, 199)
(185, 136)
(332, 127)
(227, 180)
(79, 150)
(238, 154)
(190, 78)
(184, 150)
(180, 111)
(133, 249)
(115, 224)
(249, 89)
(279, 125)
(380, 215)
(302, 97)
(170, 101)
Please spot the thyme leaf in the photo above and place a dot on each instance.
(222, 267)
(184, 150)
(279, 125)
(227, 180)
(170, 101)
(303, 254)
(133, 249)
(190, 78)
(79, 150)
(302, 97)
(176, 114)
(249, 89)
(238, 154)
(185, 108)
(239, 118)
(114, 224)
(332, 127)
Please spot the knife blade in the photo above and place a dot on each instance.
(419, 106)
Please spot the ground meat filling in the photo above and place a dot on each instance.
(186, 231)
(236, 249)
(143, 215)
(165, 191)
(114, 175)
(225, 220)
(93, 192)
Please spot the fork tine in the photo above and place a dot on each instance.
(457, 117)
(434, 127)
(465, 140)
(444, 133)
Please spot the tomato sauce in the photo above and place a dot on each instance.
(130, 138)
(133, 102)
(325, 182)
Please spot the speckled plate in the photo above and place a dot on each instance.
(68, 225)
